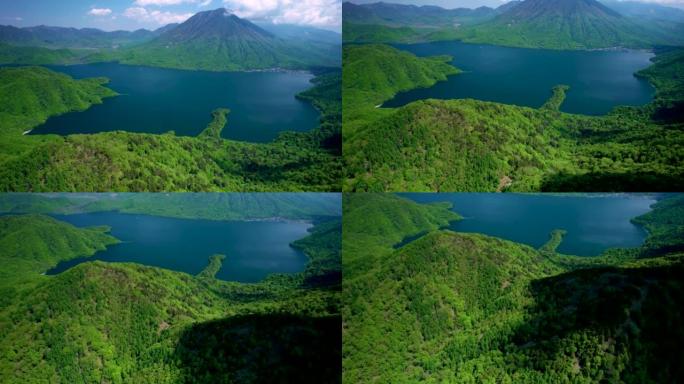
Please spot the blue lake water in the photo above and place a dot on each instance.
(158, 100)
(598, 80)
(593, 223)
(253, 249)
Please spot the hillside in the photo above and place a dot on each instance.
(220, 41)
(373, 73)
(32, 244)
(32, 94)
(550, 24)
(473, 308)
(10, 54)
(124, 161)
(376, 223)
(388, 22)
(564, 24)
(124, 322)
(465, 145)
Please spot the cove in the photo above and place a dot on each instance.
(598, 80)
(253, 249)
(158, 100)
(594, 222)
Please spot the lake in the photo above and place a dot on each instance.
(253, 249)
(598, 80)
(158, 100)
(593, 223)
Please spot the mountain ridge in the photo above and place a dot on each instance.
(570, 24)
(217, 40)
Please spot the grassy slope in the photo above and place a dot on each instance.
(124, 322)
(472, 308)
(458, 145)
(122, 161)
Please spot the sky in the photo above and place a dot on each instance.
(151, 14)
(490, 3)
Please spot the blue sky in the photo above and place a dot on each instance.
(151, 14)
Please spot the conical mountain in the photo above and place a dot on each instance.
(220, 41)
(563, 24)
(541, 9)
(218, 24)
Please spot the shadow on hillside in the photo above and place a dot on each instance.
(328, 279)
(612, 182)
(262, 349)
(673, 113)
(609, 311)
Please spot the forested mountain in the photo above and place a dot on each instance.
(467, 307)
(220, 41)
(125, 322)
(466, 145)
(567, 24)
(34, 243)
(553, 24)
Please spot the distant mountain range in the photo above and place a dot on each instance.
(60, 37)
(559, 24)
(646, 10)
(213, 40)
(426, 16)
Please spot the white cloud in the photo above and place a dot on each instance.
(162, 3)
(158, 17)
(100, 11)
(322, 13)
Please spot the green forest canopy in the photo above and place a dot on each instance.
(468, 145)
(471, 308)
(124, 322)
